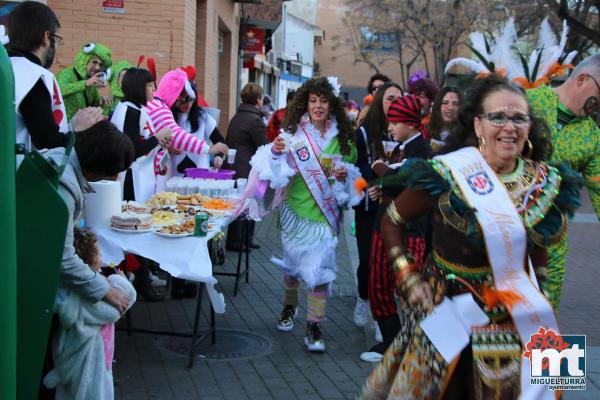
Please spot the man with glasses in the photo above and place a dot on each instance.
(567, 110)
(41, 119)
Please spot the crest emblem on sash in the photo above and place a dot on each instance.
(480, 183)
(303, 153)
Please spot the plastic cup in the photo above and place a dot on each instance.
(287, 140)
(231, 156)
(241, 184)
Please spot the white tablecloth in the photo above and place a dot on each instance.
(185, 258)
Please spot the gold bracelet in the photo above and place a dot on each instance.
(404, 266)
(395, 252)
(394, 215)
(400, 263)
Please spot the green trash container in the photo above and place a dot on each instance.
(42, 219)
(8, 248)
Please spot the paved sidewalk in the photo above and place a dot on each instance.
(146, 368)
(580, 304)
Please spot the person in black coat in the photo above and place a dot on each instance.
(247, 132)
(369, 145)
(405, 127)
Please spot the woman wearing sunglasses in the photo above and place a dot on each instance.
(496, 207)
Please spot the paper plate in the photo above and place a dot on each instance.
(131, 230)
(220, 213)
(173, 235)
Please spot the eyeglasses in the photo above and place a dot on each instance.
(57, 38)
(499, 119)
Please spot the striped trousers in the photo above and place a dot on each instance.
(382, 278)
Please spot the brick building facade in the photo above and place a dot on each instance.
(175, 32)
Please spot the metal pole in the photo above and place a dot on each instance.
(8, 228)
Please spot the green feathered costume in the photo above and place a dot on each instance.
(71, 80)
(576, 143)
(115, 88)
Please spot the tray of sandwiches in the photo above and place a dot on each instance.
(170, 214)
(129, 222)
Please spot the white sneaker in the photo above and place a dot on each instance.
(155, 281)
(362, 313)
(371, 356)
(314, 339)
(378, 335)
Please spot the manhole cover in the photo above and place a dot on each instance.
(230, 344)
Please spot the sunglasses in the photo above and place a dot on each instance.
(499, 119)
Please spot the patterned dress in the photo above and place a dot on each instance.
(412, 368)
(578, 144)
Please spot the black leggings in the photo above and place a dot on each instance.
(363, 221)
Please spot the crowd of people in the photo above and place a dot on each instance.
(417, 168)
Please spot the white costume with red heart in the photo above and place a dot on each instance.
(26, 76)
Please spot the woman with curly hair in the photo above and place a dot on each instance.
(496, 207)
(312, 166)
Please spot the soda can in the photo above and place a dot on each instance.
(201, 229)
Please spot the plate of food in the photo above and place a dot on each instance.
(218, 204)
(191, 200)
(173, 235)
(163, 218)
(114, 228)
(177, 230)
(136, 207)
(161, 199)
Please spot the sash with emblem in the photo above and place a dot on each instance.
(506, 242)
(305, 152)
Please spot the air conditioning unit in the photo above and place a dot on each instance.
(271, 59)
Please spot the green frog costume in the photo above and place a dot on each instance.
(575, 140)
(115, 88)
(72, 79)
